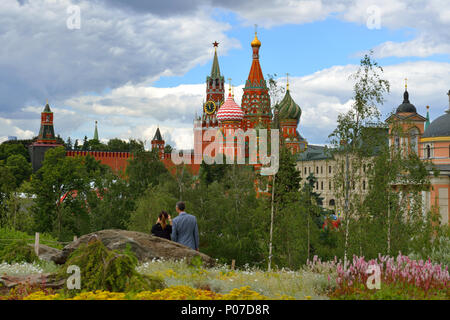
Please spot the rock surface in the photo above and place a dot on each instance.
(48, 280)
(48, 253)
(145, 247)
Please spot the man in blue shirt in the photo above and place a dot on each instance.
(185, 228)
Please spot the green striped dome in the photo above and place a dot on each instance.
(288, 109)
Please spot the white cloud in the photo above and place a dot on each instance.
(429, 18)
(137, 110)
(8, 128)
(326, 93)
(41, 58)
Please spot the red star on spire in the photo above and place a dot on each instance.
(215, 44)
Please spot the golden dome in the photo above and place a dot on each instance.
(256, 42)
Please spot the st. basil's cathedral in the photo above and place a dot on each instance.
(255, 111)
(218, 113)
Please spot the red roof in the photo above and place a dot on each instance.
(230, 111)
(255, 76)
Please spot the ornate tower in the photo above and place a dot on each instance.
(287, 118)
(215, 89)
(256, 99)
(47, 132)
(96, 132)
(158, 143)
(406, 126)
(45, 140)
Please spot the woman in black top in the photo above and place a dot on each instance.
(163, 226)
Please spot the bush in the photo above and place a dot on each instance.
(44, 238)
(18, 251)
(104, 269)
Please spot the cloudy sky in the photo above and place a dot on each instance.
(134, 65)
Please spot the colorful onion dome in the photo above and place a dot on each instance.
(288, 109)
(230, 111)
(256, 42)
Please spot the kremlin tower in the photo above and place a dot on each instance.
(256, 99)
(215, 89)
(45, 140)
(158, 143)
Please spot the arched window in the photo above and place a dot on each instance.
(331, 203)
(414, 139)
(321, 185)
(428, 152)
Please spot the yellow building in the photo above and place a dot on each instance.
(430, 140)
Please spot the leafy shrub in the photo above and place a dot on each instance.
(44, 238)
(18, 251)
(104, 269)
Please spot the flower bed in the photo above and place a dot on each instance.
(173, 293)
(400, 278)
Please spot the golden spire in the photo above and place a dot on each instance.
(232, 91)
(406, 83)
(229, 86)
(256, 42)
(287, 81)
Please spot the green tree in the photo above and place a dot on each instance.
(10, 148)
(7, 182)
(20, 168)
(232, 221)
(154, 200)
(143, 170)
(284, 187)
(349, 145)
(110, 202)
(59, 185)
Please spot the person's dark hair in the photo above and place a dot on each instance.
(181, 205)
(163, 217)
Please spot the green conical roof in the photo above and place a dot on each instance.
(96, 132)
(288, 109)
(47, 108)
(157, 136)
(215, 70)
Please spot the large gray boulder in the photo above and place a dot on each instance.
(48, 253)
(145, 247)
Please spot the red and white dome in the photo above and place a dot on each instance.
(230, 111)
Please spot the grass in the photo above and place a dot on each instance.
(303, 284)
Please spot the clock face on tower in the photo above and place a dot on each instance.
(210, 107)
